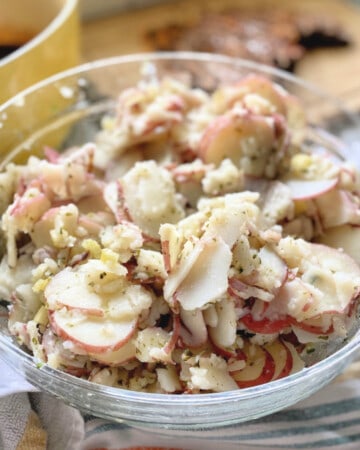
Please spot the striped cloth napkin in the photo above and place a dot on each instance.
(329, 420)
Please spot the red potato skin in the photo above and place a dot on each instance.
(266, 375)
(88, 311)
(170, 346)
(211, 133)
(288, 364)
(311, 328)
(114, 364)
(251, 279)
(347, 209)
(51, 155)
(89, 348)
(97, 357)
(165, 249)
(226, 352)
(353, 304)
(265, 325)
(237, 288)
(259, 84)
(309, 196)
(269, 369)
(122, 213)
(77, 371)
(97, 312)
(187, 339)
(232, 129)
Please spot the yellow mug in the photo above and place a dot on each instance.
(53, 29)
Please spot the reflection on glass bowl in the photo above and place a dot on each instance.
(66, 110)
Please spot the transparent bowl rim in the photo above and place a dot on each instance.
(176, 56)
(195, 399)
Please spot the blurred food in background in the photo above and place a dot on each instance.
(275, 37)
(12, 38)
(319, 40)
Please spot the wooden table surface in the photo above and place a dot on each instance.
(336, 71)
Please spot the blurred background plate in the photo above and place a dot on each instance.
(119, 27)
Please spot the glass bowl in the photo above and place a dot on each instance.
(66, 109)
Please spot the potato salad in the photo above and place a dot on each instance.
(197, 245)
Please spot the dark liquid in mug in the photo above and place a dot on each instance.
(11, 40)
